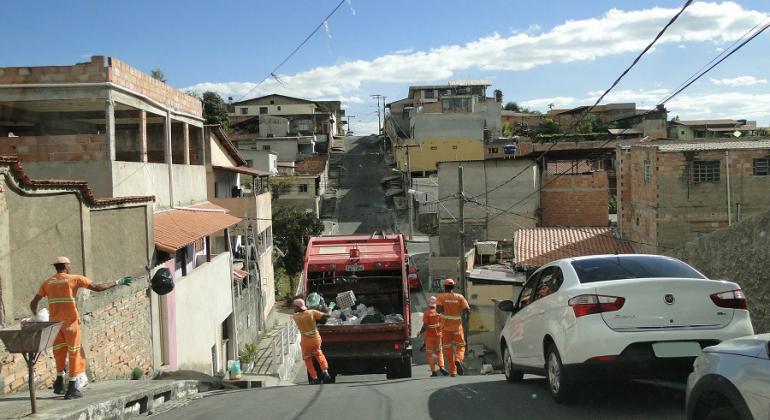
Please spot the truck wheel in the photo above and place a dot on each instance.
(406, 368)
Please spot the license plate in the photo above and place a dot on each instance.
(676, 349)
(354, 267)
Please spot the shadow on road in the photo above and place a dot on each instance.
(530, 399)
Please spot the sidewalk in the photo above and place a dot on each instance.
(101, 400)
(266, 368)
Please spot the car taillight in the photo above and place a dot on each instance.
(732, 299)
(594, 304)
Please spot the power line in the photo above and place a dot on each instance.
(606, 92)
(294, 51)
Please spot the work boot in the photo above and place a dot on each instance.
(460, 367)
(452, 375)
(315, 381)
(443, 371)
(72, 391)
(58, 385)
(326, 378)
(434, 373)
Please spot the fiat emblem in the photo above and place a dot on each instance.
(669, 299)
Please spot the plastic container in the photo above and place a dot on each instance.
(234, 369)
(346, 300)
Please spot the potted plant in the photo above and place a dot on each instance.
(248, 356)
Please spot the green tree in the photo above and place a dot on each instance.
(590, 124)
(291, 229)
(215, 109)
(507, 129)
(512, 106)
(279, 185)
(498, 96)
(549, 126)
(157, 74)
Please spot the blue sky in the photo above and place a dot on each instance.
(550, 51)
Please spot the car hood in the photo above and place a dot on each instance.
(752, 346)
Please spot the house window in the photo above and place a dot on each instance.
(262, 110)
(454, 147)
(434, 148)
(492, 150)
(279, 107)
(266, 147)
(272, 102)
(705, 171)
(762, 166)
(647, 171)
(249, 163)
(303, 188)
(244, 111)
(429, 94)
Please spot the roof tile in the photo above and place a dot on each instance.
(538, 246)
(175, 229)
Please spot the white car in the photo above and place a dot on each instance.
(619, 317)
(731, 381)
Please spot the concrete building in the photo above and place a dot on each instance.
(398, 113)
(446, 122)
(105, 239)
(128, 134)
(710, 129)
(308, 117)
(245, 192)
(605, 113)
(305, 186)
(106, 123)
(673, 192)
(504, 204)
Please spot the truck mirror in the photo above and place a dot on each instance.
(506, 306)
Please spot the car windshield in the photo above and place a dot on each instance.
(631, 267)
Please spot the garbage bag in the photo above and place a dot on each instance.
(376, 318)
(393, 318)
(314, 301)
(161, 282)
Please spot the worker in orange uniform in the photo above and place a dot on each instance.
(61, 289)
(310, 341)
(451, 306)
(431, 327)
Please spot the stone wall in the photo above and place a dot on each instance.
(738, 253)
(60, 148)
(575, 200)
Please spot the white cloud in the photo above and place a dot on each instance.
(681, 46)
(739, 81)
(365, 127)
(404, 51)
(543, 103)
(615, 32)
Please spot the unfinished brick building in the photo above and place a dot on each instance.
(673, 192)
(104, 122)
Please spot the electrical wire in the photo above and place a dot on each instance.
(294, 51)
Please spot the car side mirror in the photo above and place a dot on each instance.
(506, 306)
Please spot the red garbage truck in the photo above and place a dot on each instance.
(373, 334)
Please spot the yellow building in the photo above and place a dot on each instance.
(424, 156)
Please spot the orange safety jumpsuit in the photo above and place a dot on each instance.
(432, 321)
(452, 327)
(310, 341)
(62, 290)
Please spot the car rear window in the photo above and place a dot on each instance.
(631, 267)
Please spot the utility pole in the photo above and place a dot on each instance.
(379, 120)
(461, 230)
(349, 117)
(408, 177)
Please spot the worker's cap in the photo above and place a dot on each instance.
(61, 260)
(300, 303)
(432, 301)
(449, 282)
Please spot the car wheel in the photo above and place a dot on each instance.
(560, 385)
(722, 413)
(511, 375)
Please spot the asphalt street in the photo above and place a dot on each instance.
(363, 209)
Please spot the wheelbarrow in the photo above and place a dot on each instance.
(31, 340)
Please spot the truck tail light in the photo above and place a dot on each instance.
(396, 346)
(593, 304)
(412, 276)
(735, 299)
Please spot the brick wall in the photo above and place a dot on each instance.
(115, 329)
(91, 72)
(62, 148)
(131, 78)
(575, 200)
